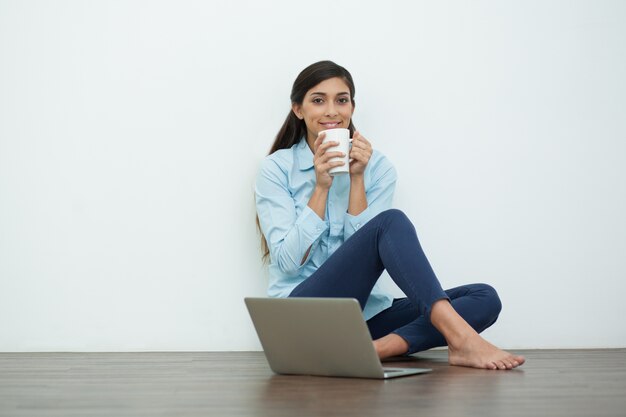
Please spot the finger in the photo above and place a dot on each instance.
(356, 140)
(324, 148)
(321, 164)
(329, 144)
(321, 149)
(355, 154)
(358, 137)
(362, 146)
(331, 164)
(361, 155)
(361, 143)
(318, 140)
(330, 155)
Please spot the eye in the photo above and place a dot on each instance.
(343, 100)
(318, 100)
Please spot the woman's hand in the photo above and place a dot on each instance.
(322, 163)
(360, 154)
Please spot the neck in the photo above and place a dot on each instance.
(310, 141)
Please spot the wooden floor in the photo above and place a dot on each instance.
(590, 383)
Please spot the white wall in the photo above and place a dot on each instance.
(131, 132)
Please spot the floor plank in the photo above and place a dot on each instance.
(552, 383)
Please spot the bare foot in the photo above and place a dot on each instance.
(476, 352)
(390, 345)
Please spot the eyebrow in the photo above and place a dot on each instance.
(320, 93)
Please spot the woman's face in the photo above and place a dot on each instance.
(328, 105)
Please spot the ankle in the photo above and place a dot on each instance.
(458, 342)
(452, 326)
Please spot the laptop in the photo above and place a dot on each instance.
(318, 336)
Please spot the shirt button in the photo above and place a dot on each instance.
(358, 225)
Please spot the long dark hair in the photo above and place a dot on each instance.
(294, 129)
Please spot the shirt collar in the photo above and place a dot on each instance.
(304, 154)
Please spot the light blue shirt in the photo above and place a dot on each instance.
(283, 188)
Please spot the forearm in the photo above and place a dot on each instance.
(292, 244)
(358, 202)
(317, 202)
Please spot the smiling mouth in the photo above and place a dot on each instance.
(330, 125)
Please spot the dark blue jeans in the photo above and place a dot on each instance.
(389, 241)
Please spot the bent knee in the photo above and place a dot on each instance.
(491, 298)
(393, 215)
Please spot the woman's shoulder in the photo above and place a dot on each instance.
(380, 165)
(280, 160)
(281, 155)
(379, 159)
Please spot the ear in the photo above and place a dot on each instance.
(297, 110)
(353, 107)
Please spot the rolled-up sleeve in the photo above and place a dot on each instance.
(289, 235)
(379, 195)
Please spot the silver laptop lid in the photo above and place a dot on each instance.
(317, 336)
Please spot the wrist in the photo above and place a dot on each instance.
(320, 189)
(357, 178)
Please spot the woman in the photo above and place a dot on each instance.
(331, 236)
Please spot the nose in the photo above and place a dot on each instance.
(330, 110)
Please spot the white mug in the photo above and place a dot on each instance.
(343, 137)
